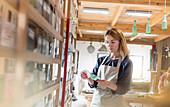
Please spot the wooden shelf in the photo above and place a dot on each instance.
(59, 10)
(70, 81)
(35, 57)
(163, 71)
(152, 70)
(12, 3)
(35, 98)
(71, 47)
(57, 7)
(7, 52)
(34, 15)
(68, 99)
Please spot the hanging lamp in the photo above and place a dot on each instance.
(91, 48)
(164, 22)
(134, 30)
(148, 26)
(102, 48)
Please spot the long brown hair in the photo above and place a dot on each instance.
(118, 35)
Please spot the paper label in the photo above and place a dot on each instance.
(8, 34)
(31, 34)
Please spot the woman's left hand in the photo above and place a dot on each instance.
(103, 83)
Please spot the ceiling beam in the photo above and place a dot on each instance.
(134, 37)
(140, 42)
(83, 25)
(157, 39)
(158, 17)
(132, 2)
(100, 38)
(90, 37)
(117, 13)
(80, 33)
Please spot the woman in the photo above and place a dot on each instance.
(115, 71)
(164, 89)
(164, 82)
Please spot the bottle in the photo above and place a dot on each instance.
(134, 30)
(148, 27)
(164, 23)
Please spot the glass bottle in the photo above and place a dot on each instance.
(148, 27)
(164, 23)
(134, 30)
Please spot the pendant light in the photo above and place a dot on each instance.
(148, 26)
(134, 29)
(164, 22)
(91, 48)
(102, 48)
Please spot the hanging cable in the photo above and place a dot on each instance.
(149, 6)
(165, 6)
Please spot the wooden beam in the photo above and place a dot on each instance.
(83, 25)
(157, 39)
(158, 17)
(140, 43)
(132, 2)
(80, 33)
(99, 38)
(117, 13)
(90, 37)
(134, 37)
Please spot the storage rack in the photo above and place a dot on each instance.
(26, 14)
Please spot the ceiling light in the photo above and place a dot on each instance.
(126, 33)
(138, 13)
(95, 10)
(91, 48)
(92, 31)
(102, 48)
(150, 35)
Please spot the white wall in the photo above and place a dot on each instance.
(145, 52)
(88, 61)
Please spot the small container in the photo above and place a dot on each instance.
(86, 73)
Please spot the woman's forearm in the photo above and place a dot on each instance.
(112, 86)
(90, 81)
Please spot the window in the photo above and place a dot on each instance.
(137, 67)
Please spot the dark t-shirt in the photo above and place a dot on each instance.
(124, 75)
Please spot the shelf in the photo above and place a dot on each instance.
(35, 98)
(70, 64)
(7, 52)
(68, 99)
(59, 10)
(163, 71)
(42, 22)
(35, 57)
(57, 6)
(71, 47)
(11, 4)
(152, 70)
(70, 81)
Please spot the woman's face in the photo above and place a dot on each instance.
(112, 44)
